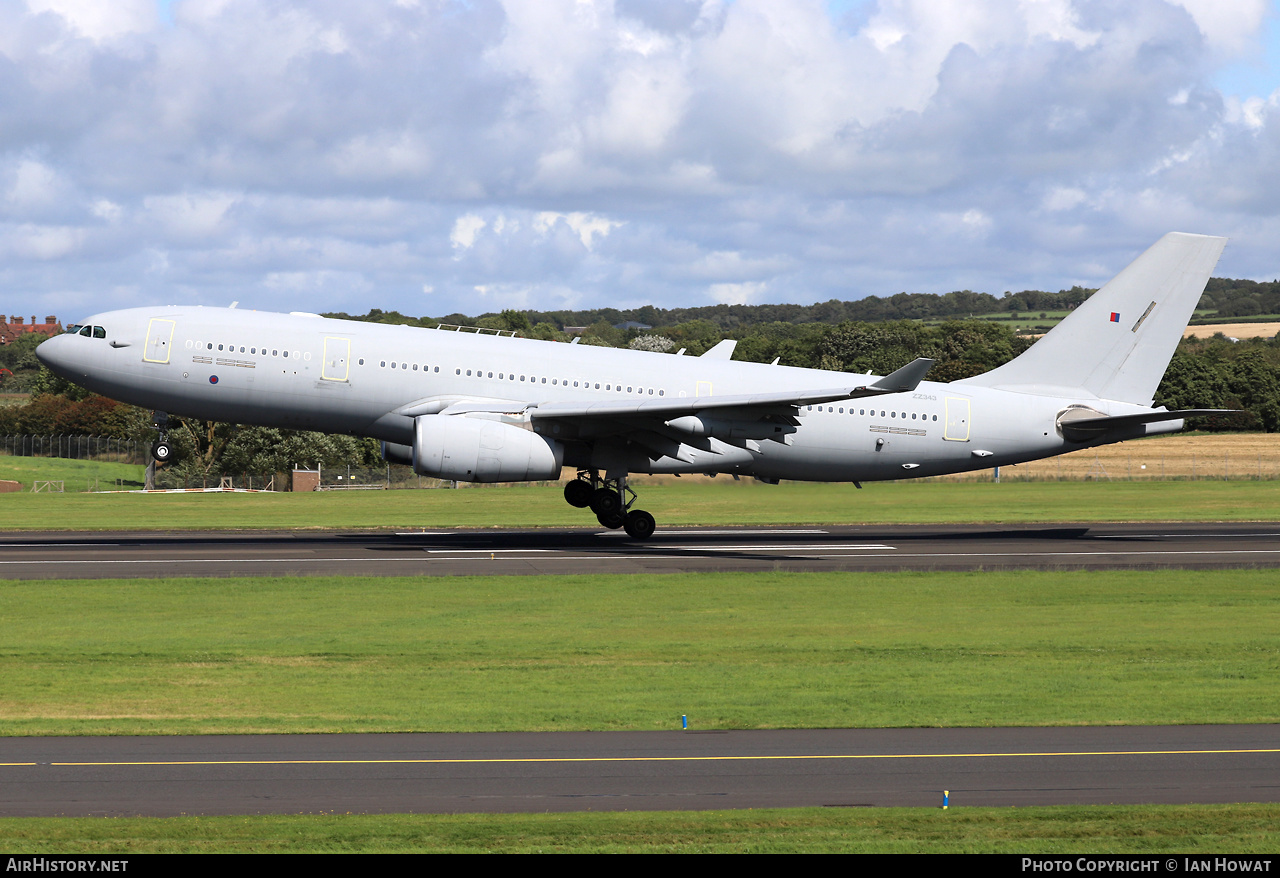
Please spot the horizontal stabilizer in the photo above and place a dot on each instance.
(1082, 429)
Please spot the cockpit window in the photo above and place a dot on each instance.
(72, 328)
(99, 332)
(86, 331)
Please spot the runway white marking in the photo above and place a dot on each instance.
(785, 548)
(50, 545)
(482, 551)
(717, 533)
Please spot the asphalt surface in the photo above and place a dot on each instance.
(560, 552)
(691, 770)
(614, 771)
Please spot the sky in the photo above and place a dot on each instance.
(441, 156)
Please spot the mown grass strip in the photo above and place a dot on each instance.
(630, 652)
(1182, 829)
(686, 502)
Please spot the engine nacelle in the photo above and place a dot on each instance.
(480, 450)
(393, 452)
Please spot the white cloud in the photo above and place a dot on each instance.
(748, 293)
(1064, 198)
(586, 226)
(42, 243)
(191, 216)
(465, 230)
(99, 20)
(1227, 26)
(604, 153)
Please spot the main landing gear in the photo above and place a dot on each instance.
(162, 449)
(607, 498)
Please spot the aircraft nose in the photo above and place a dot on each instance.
(57, 355)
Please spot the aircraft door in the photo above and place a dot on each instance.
(337, 359)
(159, 340)
(957, 429)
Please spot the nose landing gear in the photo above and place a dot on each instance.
(607, 498)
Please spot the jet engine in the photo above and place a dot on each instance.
(482, 450)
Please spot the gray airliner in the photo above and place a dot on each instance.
(480, 407)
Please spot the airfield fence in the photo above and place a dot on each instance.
(70, 447)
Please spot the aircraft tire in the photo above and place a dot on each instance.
(606, 501)
(578, 493)
(639, 524)
(162, 452)
(613, 521)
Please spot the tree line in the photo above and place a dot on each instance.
(1204, 373)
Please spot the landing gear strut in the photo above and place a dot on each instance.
(607, 498)
(162, 449)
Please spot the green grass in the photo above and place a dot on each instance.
(693, 501)
(776, 650)
(77, 475)
(1193, 830)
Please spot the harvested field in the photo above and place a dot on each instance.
(1234, 330)
(1217, 456)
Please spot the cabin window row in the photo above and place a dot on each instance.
(405, 366)
(563, 382)
(231, 349)
(872, 412)
(530, 379)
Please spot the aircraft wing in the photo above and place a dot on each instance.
(901, 381)
(669, 426)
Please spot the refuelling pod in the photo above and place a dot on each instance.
(480, 450)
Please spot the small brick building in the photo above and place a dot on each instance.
(13, 327)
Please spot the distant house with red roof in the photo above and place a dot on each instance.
(12, 328)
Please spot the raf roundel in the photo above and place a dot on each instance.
(213, 379)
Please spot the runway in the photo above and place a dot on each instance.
(66, 555)
(605, 771)
(523, 772)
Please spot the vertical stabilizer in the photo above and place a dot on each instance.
(1117, 344)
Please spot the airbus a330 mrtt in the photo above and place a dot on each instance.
(487, 408)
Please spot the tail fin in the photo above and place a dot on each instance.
(1117, 344)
